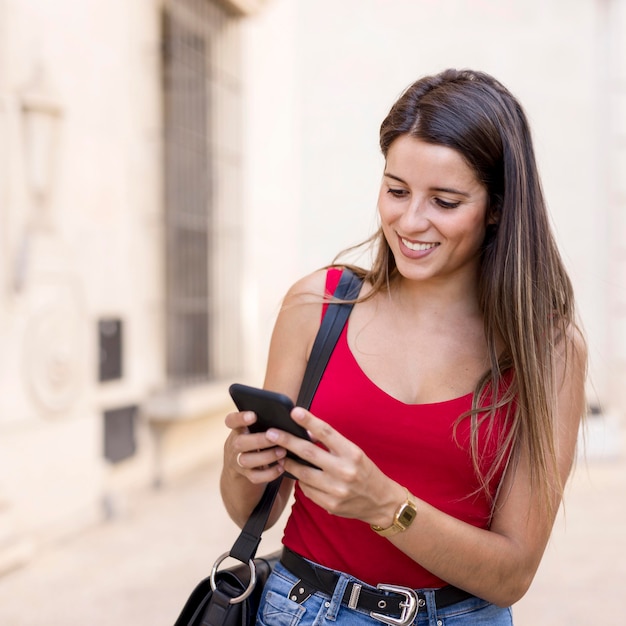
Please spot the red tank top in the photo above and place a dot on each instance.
(412, 444)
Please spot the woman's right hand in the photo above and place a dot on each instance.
(251, 455)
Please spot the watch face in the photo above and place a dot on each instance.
(407, 515)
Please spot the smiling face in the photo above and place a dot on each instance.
(433, 211)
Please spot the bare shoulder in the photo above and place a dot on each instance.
(301, 309)
(571, 353)
(577, 342)
(571, 374)
(308, 290)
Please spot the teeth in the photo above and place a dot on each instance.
(418, 246)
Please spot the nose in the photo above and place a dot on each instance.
(416, 217)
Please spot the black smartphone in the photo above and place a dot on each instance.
(273, 410)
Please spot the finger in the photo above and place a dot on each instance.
(304, 473)
(259, 459)
(303, 448)
(265, 474)
(250, 442)
(240, 419)
(319, 430)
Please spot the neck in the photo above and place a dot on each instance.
(445, 296)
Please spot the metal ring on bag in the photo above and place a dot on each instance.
(251, 585)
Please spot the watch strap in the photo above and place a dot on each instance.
(402, 519)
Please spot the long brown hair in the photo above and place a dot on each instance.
(525, 294)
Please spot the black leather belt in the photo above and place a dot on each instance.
(390, 604)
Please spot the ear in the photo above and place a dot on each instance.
(493, 218)
(493, 213)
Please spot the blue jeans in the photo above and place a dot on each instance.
(276, 609)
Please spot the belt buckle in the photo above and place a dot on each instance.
(409, 606)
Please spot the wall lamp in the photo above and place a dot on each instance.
(41, 114)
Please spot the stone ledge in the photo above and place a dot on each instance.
(245, 7)
(176, 405)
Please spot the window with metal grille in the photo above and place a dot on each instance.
(202, 162)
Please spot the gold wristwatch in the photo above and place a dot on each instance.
(402, 519)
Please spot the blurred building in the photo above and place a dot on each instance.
(169, 167)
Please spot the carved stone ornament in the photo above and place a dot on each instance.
(53, 356)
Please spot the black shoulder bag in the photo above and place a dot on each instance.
(230, 597)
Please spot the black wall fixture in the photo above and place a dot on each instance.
(110, 339)
(119, 433)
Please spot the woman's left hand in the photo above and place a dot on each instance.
(347, 483)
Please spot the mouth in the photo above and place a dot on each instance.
(417, 246)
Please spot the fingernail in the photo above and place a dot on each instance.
(272, 435)
(248, 417)
(298, 413)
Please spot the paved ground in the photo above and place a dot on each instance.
(139, 569)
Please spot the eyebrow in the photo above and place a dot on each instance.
(440, 189)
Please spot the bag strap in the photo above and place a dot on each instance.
(334, 320)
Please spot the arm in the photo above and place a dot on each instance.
(496, 564)
(260, 461)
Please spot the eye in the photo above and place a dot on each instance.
(397, 192)
(446, 204)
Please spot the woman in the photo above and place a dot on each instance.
(445, 425)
